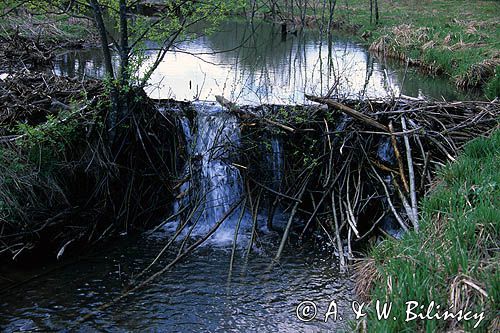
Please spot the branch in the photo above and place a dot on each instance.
(353, 113)
(411, 173)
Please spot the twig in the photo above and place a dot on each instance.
(411, 174)
(290, 219)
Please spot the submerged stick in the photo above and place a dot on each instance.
(254, 223)
(174, 237)
(233, 251)
(166, 268)
(343, 265)
(289, 224)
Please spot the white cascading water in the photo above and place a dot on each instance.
(276, 162)
(215, 184)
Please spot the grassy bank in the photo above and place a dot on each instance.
(61, 30)
(456, 38)
(454, 259)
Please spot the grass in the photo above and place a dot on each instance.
(30, 168)
(454, 260)
(459, 38)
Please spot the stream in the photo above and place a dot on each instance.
(202, 293)
(196, 296)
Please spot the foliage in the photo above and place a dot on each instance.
(30, 165)
(47, 142)
(169, 26)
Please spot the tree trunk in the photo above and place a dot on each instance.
(96, 7)
(371, 11)
(114, 95)
(331, 11)
(124, 60)
(124, 49)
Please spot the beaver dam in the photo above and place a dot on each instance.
(253, 202)
(347, 169)
(270, 178)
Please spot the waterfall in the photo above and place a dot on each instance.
(214, 183)
(276, 162)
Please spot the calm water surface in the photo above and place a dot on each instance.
(256, 64)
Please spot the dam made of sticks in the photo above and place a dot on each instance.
(345, 169)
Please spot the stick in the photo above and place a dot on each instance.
(343, 265)
(163, 270)
(353, 113)
(289, 224)
(254, 223)
(411, 173)
(398, 157)
(276, 192)
(233, 251)
(393, 209)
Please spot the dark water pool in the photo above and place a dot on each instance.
(198, 295)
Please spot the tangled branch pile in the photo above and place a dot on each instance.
(18, 52)
(63, 183)
(361, 166)
(30, 97)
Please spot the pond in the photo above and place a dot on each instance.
(255, 64)
(248, 64)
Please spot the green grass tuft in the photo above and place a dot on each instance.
(492, 88)
(456, 251)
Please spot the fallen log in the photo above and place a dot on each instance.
(353, 113)
(232, 107)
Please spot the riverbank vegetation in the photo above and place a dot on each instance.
(455, 38)
(458, 39)
(453, 261)
(62, 185)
